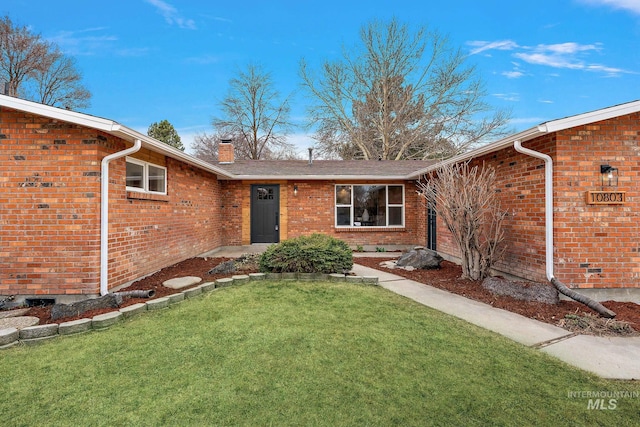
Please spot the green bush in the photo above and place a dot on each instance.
(317, 253)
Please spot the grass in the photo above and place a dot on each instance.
(288, 353)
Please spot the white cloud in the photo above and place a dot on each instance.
(87, 41)
(515, 74)
(568, 55)
(512, 96)
(482, 46)
(630, 5)
(171, 15)
(526, 120)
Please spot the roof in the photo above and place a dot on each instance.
(319, 169)
(541, 129)
(325, 169)
(110, 127)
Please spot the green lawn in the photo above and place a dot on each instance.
(274, 353)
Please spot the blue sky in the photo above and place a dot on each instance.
(149, 60)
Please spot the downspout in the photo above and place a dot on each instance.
(104, 213)
(548, 203)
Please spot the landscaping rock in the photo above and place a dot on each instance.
(102, 321)
(526, 291)
(257, 276)
(74, 326)
(39, 331)
(175, 298)
(158, 303)
(226, 281)
(226, 267)
(181, 282)
(134, 309)
(77, 308)
(192, 293)
(240, 279)
(207, 287)
(420, 258)
(8, 337)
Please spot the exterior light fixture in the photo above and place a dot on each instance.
(608, 176)
(295, 190)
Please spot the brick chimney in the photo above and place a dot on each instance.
(226, 153)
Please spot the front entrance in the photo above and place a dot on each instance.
(265, 216)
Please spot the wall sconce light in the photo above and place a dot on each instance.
(609, 176)
(295, 190)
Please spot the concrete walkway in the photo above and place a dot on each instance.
(607, 357)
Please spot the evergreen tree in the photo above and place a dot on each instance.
(165, 132)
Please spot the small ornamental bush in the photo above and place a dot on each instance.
(317, 253)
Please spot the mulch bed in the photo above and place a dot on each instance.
(446, 278)
(198, 267)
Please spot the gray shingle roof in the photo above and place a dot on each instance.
(325, 169)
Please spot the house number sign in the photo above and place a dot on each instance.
(606, 198)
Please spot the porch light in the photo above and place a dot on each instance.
(295, 190)
(608, 176)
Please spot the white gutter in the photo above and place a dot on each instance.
(104, 213)
(548, 202)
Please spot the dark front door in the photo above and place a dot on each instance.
(431, 228)
(265, 218)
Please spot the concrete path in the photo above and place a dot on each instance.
(607, 357)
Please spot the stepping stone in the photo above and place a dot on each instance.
(181, 282)
(18, 322)
(13, 313)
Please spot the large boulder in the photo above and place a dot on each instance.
(420, 258)
(525, 291)
(226, 267)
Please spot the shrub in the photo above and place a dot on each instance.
(317, 253)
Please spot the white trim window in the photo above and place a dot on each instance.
(146, 177)
(369, 205)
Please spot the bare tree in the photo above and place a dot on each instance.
(254, 114)
(401, 95)
(36, 69)
(205, 147)
(466, 201)
(59, 83)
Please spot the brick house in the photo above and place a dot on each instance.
(60, 238)
(593, 168)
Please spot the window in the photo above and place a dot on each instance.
(146, 177)
(369, 205)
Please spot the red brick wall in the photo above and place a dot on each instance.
(49, 206)
(597, 246)
(152, 232)
(312, 210)
(50, 210)
(594, 246)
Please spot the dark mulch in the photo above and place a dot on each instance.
(198, 267)
(448, 278)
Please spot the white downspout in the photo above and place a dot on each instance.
(548, 202)
(104, 213)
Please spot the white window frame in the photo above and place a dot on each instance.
(352, 222)
(145, 176)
